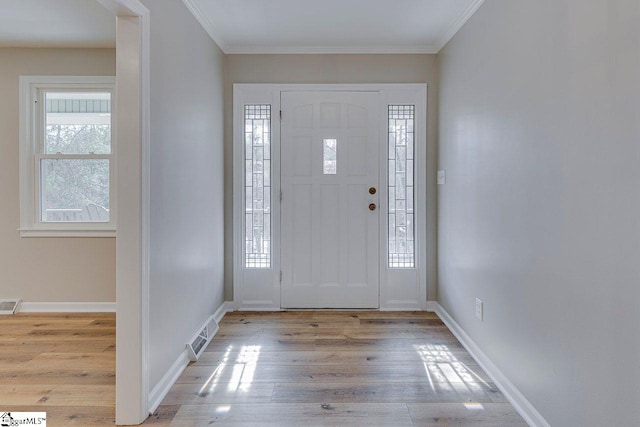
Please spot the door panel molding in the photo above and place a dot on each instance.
(326, 202)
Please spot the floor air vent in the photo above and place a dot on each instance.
(202, 338)
(9, 306)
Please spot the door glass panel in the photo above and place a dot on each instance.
(257, 155)
(330, 156)
(400, 183)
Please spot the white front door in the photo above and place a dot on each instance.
(329, 216)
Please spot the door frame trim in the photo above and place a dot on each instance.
(415, 295)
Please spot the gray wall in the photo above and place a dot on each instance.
(50, 269)
(334, 69)
(186, 260)
(540, 216)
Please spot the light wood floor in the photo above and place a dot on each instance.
(335, 369)
(262, 369)
(62, 364)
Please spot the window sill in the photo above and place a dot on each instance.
(66, 233)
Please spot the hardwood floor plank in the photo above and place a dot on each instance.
(348, 340)
(402, 322)
(163, 416)
(346, 356)
(86, 360)
(106, 322)
(294, 415)
(57, 346)
(459, 414)
(331, 373)
(265, 344)
(334, 343)
(58, 395)
(363, 393)
(44, 375)
(70, 333)
(11, 359)
(317, 373)
(390, 344)
(397, 315)
(223, 393)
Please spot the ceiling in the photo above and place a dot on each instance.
(56, 23)
(255, 26)
(332, 26)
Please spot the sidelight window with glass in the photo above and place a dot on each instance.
(257, 158)
(401, 253)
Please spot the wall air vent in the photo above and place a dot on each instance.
(9, 306)
(201, 339)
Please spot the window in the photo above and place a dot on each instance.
(401, 223)
(330, 156)
(257, 185)
(67, 156)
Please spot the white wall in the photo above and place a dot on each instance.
(540, 215)
(332, 69)
(48, 269)
(186, 257)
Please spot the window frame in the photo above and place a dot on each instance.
(32, 89)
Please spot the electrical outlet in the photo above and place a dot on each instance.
(442, 177)
(479, 309)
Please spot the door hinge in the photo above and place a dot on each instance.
(280, 195)
(280, 115)
(280, 276)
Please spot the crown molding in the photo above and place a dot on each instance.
(266, 50)
(206, 23)
(459, 23)
(124, 7)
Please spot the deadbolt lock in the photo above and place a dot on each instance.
(372, 206)
(372, 190)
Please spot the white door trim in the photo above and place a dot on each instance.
(399, 289)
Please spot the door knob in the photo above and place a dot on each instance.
(372, 206)
(372, 190)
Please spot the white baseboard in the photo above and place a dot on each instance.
(404, 305)
(225, 308)
(67, 307)
(253, 306)
(430, 306)
(517, 399)
(160, 391)
(410, 306)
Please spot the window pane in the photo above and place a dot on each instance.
(330, 156)
(400, 183)
(257, 137)
(77, 123)
(74, 190)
